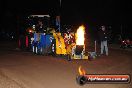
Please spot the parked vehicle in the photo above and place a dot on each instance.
(127, 43)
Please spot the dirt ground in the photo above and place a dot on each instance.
(21, 69)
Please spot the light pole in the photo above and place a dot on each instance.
(60, 3)
(60, 17)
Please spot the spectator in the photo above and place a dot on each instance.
(40, 27)
(103, 39)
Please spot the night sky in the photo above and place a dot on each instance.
(92, 12)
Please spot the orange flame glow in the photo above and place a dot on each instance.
(80, 35)
(81, 71)
(30, 31)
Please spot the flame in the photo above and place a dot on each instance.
(81, 71)
(30, 31)
(80, 35)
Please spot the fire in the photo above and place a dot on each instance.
(81, 71)
(30, 31)
(80, 35)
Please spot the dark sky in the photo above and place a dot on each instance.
(110, 12)
(28, 6)
(96, 10)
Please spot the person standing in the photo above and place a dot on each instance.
(103, 39)
(40, 27)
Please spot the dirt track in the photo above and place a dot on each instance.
(19, 69)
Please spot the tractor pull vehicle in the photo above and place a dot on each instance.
(43, 39)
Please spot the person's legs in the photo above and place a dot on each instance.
(106, 47)
(102, 47)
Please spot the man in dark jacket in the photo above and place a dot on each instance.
(103, 38)
(41, 28)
